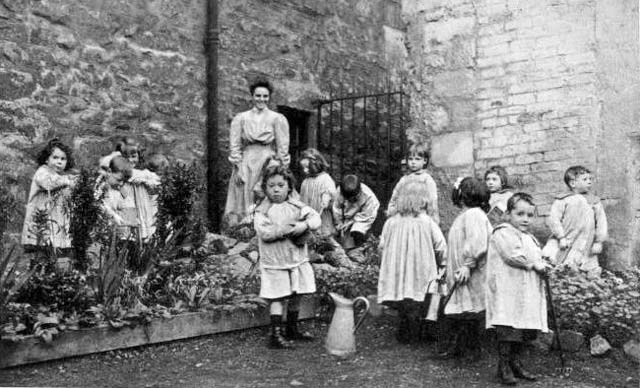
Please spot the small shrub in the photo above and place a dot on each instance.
(360, 281)
(86, 216)
(8, 206)
(180, 188)
(609, 305)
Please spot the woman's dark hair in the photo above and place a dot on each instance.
(278, 170)
(517, 197)
(43, 156)
(261, 84)
(501, 173)
(471, 192)
(317, 162)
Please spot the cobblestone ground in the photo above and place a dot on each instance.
(241, 359)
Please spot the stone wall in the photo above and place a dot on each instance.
(91, 71)
(535, 87)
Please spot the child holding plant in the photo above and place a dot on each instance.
(140, 187)
(466, 258)
(412, 250)
(281, 223)
(50, 189)
(515, 296)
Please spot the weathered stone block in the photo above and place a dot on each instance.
(632, 350)
(454, 83)
(599, 346)
(452, 149)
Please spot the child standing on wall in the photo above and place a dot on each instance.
(412, 250)
(49, 192)
(516, 304)
(466, 258)
(417, 162)
(497, 181)
(281, 224)
(578, 224)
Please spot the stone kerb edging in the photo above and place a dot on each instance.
(101, 339)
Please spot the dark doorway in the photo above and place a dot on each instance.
(298, 135)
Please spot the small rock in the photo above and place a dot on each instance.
(599, 346)
(240, 264)
(571, 341)
(632, 350)
(296, 383)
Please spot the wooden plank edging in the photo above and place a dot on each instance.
(102, 339)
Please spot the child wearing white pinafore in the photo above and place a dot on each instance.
(578, 225)
(281, 224)
(412, 249)
(497, 181)
(515, 295)
(467, 244)
(49, 192)
(417, 162)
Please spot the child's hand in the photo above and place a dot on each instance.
(563, 243)
(541, 267)
(298, 228)
(462, 274)
(596, 248)
(325, 201)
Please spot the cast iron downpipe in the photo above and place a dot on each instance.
(213, 177)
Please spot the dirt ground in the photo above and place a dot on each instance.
(241, 359)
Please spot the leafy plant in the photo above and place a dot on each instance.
(179, 191)
(86, 216)
(8, 206)
(609, 305)
(11, 280)
(359, 281)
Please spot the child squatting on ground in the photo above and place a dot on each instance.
(355, 209)
(497, 181)
(466, 258)
(417, 161)
(49, 192)
(516, 304)
(282, 225)
(578, 225)
(412, 249)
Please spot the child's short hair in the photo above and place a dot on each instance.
(261, 83)
(421, 150)
(411, 199)
(515, 198)
(501, 173)
(128, 145)
(46, 152)
(283, 171)
(350, 186)
(573, 172)
(471, 192)
(157, 163)
(317, 162)
(119, 164)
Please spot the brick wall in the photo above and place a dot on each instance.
(520, 84)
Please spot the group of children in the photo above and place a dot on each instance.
(127, 188)
(490, 261)
(493, 266)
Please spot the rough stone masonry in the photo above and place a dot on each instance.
(535, 86)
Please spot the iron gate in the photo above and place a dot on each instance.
(365, 135)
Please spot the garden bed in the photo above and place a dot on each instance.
(31, 349)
